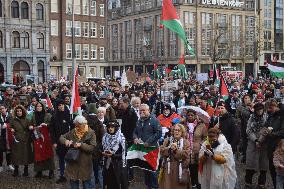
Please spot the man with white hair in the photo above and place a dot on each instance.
(148, 130)
(135, 103)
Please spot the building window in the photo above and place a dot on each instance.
(15, 9)
(39, 11)
(77, 6)
(54, 6)
(24, 10)
(102, 53)
(0, 8)
(78, 51)
(68, 28)
(93, 8)
(85, 51)
(236, 35)
(40, 41)
(16, 39)
(1, 39)
(25, 40)
(68, 51)
(85, 7)
(93, 29)
(77, 28)
(206, 33)
(102, 32)
(102, 10)
(94, 49)
(54, 28)
(85, 29)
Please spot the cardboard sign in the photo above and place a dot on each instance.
(82, 79)
(131, 76)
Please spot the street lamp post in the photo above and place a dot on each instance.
(73, 41)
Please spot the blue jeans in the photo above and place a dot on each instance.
(87, 184)
(151, 179)
(279, 182)
(61, 165)
(98, 173)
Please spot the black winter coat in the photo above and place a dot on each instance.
(129, 120)
(60, 124)
(276, 121)
(230, 130)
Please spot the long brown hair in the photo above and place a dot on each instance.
(23, 110)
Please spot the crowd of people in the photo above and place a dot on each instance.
(196, 151)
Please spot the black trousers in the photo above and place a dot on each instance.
(193, 168)
(261, 178)
(272, 171)
(8, 158)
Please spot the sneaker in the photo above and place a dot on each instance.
(10, 168)
(61, 179)
(1, 169)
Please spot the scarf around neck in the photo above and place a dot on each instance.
(80, 131)
(112, 143)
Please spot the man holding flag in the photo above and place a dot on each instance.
(147, 132)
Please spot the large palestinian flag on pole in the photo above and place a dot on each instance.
(171, 21)
(276, 69)
(146, 158)
(75, 98)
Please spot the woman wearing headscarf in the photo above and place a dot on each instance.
(42, 141)
(256, 154)
(114, 152)
(83, 138)
(217, 165)
(21, 148)
(175, 153)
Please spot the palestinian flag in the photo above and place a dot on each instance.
(146, 158)
(75, 98)
(216, 78)
(171, 21)
(276, 69)
(224, 92)
(181, 59)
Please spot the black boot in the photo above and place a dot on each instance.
(51, 174)
(38, 174)
(26, 171)
(16, 171)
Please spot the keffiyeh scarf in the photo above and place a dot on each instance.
(112, 142)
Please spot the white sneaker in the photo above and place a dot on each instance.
(11, 168)
(1, 169)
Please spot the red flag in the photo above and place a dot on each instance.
(181, 59)
(48, 103)
(168, 70)
(155, 66)
(224, 92)
(75, 99)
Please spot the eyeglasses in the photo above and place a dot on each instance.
(177, 130)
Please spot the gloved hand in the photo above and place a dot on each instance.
(208, 153)
(219, 159)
